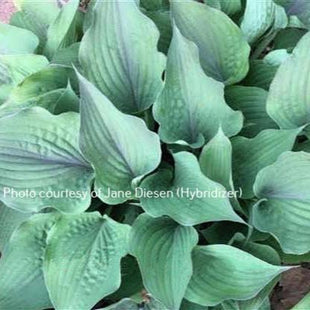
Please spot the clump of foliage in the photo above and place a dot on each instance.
(119, 108)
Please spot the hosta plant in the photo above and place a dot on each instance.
(154, 154)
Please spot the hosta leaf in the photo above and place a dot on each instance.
(22, 284)
(44, 88)
(82, 262)
(10, 219)
(303, 304)
(190, 197)
(229, 7)
(262, 71)
(36, 16)
(222, 272)
(261, 251)
(61, 32)
(223, 50)
(163, 250)
(163, 22)
(116, 57)
(299, 8)
(284, 209)
(14, 68)
(124, 304)
(215, 160)
(251, 155)
(187, 305)
(288, 38)
(41, 157)
(259, 17)
(67, 56)
(288, 101)
(154, 5)
(119, 146)
(16, 40)
(188, 100)
(251, 101)
(131, 282)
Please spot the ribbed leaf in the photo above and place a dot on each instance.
(260, 17)
(189, 197)
(22, 284)
(223, 50)
(119, 146)
(10, 219)
(163, 250)
(289, 101)
(284, 209)
(190, 97)
(40, 160)
(251, 101)
(61, 32)
(251, 155)
(222, 272)
(116, 57)
(82, 261)
(16, 40)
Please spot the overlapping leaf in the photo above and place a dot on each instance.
(223, 50)
(116, 57)
(119, 146)
(22, 284)
(189, 197)
(222, 272)
(163, 250)
(284, 209)
(61, 33)
(259, 17)
(82, 262)
(16, 40)
(10, 219)
(251, 155)
(40, 162)
(191, 107)
(288, 101)
(251, 101)
(45, 88)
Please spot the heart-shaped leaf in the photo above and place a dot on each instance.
(289, 101)
(222, 272)
(83, 254)
(187, 196)
(40, 162)
(127, 150)
(22, 284)
(284, 209)
(116, 57)
(163, 250)
(251, 155)
(222, 48)
(188, 100)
